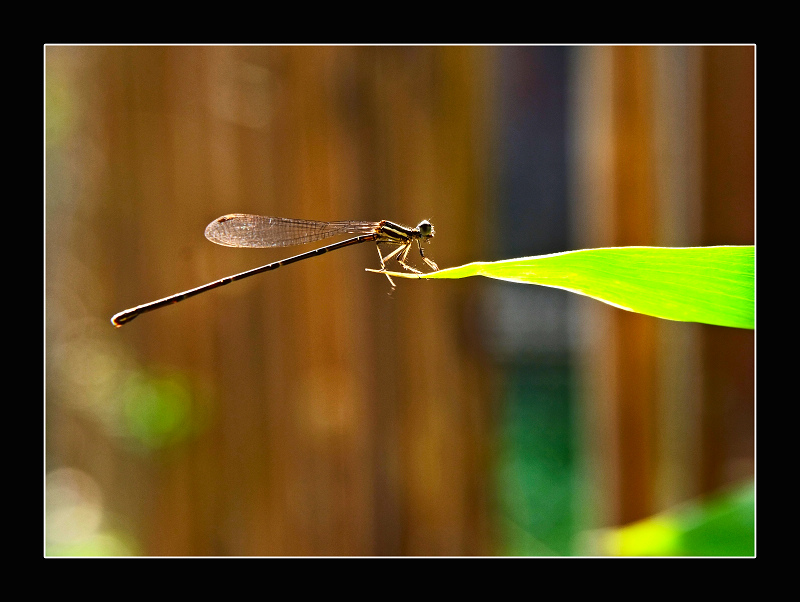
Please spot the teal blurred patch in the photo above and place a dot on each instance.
(535, 471)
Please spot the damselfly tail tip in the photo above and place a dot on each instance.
(122, 317)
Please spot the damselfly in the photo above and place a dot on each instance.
(257, 231)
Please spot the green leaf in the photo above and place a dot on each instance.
(712, 285)
(723, 525)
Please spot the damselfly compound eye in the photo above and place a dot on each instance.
(425, 229)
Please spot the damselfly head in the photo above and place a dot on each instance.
(425, 229)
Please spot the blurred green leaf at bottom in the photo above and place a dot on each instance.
(722, 526)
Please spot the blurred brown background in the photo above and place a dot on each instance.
(312, 410)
